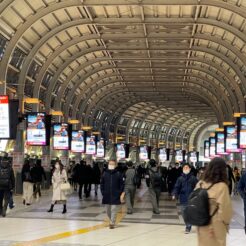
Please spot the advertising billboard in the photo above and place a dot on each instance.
(206, 149)
(162, 154)
(90, 145)
(78, 142)
(143, 153)
(231, 140)
(36, 129)
(242, 132)
(120, 151)
(4, 117)
(220, 143)
(179, 156)
(212, 147)
(60, 136)
(193, 157)
(100, 148)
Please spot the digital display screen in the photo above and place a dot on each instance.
(231, 139)
(242, 133)
(143, 154)
(100, 148)
(179, 155)
(78, 142)
(193, 157)
(91, 145)
(206, 149)
(60, 137)
(120, 151)
(212, 147)
(36, 129)
(4, 117)
(163, 155)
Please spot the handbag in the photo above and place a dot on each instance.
(65, 187)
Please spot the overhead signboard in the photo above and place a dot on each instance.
(60, 136)
(162, 154)
(78, 142)
(120, 151)
(231, 140)
(143, 153)
(193, 157)
(206, 149)
(91, 145)
(100, 148)
(4, 117)
(179, 156)
(242, 132)
(36, 129)
(212, 147)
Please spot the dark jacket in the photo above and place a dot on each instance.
(27, 173)
(184, 186)
(242, 186)
(129, 177)
(38, 173)
(96, 174)
(112, 186)
(7, 178)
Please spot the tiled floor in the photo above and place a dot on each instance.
(141, 228)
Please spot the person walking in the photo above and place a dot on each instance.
(130, 187)
(241, 188)
(38, 175)
(184, 186)
(80, 174)
(216, 181)
(230, 178)
(154, 182)
(59, 177)
(96, 176)
(112, 188)
(27, 179)
(7, 184)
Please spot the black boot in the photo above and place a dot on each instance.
(64, 209)
(51, 208)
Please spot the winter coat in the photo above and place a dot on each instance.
(129, 177)
(184, 186)
(112, 186)
(96, 175)
(38, 173)
(242, 186)
(7, 178)
(59, 178)
(218, 198)
(27, 174)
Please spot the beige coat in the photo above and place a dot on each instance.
(57, 179)
(215, 233)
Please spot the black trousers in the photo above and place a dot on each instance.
(4, 200)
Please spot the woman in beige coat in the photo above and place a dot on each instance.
(220, 203)
(59, 177)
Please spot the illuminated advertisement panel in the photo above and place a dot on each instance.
(179, 155)
(212, 147)
(91, 145)
(206, 149)
(60, 136)
(163, 154)
(143, 154)
(231, 140)
(220, 143)
(100, 148)
(242, 132)
(36, 129)
(77, 143)
(4, 117)
(120, 151)
(193, 157)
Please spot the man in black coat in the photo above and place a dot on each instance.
(38, 175)
(7, 184)
(112, 188)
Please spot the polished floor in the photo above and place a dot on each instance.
(85, 224)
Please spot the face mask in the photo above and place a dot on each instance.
(111, 167)
(186, 171)
(57, 166)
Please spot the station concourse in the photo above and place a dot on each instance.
(129, 80)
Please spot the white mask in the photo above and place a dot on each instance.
(186, 171)
(57, 166)
(111, 167)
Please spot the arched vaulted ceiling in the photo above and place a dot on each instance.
(165, 64)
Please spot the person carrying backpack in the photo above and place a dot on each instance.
(7, 184)
(154, 182)
(184, 186)
(220, 208)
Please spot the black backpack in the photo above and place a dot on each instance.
(197, 212)
(156, 179)
(5, 178)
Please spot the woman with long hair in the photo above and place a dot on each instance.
(215, 177)
(59, 177)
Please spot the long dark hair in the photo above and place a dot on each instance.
(216, 171)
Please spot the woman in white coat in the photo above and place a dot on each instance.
(59, 177)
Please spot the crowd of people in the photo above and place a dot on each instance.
(119, 182)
